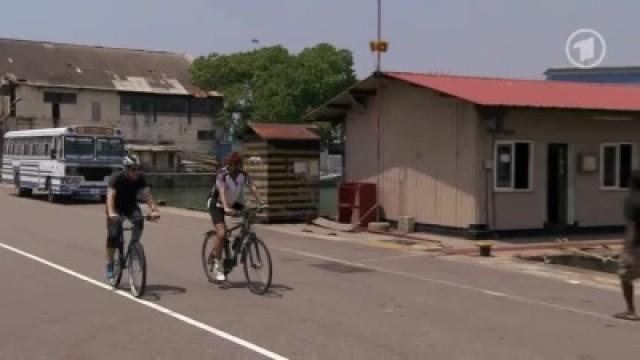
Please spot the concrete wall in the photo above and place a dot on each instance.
(33, 112)
(180, 180)
(593, 206)
(428, 157)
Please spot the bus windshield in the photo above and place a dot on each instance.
(109, 147)
(79, 147)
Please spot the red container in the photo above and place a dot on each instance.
(356, 203)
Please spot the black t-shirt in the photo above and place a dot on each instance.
(126, 192)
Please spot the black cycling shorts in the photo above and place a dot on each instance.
(217, 213)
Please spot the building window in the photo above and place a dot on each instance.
(60, 98)
(96, 111)
(617, 163)
(513, 165)
(133, 103)
(203, 106)
(178, 105)
(206, 135)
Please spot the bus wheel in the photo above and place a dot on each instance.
(20, 191)
(53, 198)
(103, 199)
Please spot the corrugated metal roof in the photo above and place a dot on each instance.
(284, 131)
(81, 66)
(529, 93)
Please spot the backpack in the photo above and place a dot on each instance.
(214, 193)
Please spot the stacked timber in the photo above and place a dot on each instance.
(284, 165)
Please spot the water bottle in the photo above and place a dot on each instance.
(237, 240)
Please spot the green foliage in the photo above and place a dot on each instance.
(271, 85)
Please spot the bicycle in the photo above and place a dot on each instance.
(246, 247)
(128, 260)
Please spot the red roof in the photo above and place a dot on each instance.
(284, 131)
(529, 93)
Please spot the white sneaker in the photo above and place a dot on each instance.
(218, 270)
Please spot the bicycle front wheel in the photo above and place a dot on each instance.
(118, 262)
(207, 261)
(137, 266)
(257, 266)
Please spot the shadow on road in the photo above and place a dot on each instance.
(275, 290)
(157, 292)
(65, 201)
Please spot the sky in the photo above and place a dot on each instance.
(504, 38)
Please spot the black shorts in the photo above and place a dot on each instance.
(217, 213)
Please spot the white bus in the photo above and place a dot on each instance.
(62, 162)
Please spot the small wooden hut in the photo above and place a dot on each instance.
(284, 162)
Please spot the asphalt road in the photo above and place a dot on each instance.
(330, 300)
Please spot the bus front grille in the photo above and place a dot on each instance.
(90, 173)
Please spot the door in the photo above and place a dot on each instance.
(55, 114)
(558, 184)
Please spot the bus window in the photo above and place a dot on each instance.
(109, 147)
(79, 147)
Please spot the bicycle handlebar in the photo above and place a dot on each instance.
(247, 211)
(146, 218)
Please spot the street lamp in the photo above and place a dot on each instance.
(255, 42)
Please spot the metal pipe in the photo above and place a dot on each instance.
(379, 54)
(378, 113)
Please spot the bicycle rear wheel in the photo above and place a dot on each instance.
(118, 262)
(137, 268)
(258, 269)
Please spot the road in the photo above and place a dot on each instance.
(331, 300)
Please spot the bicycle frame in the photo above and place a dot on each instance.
(131, 241)
(125, 251)
(233, 250)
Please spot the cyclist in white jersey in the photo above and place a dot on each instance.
(225, 200)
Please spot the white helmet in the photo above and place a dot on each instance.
(130, 160)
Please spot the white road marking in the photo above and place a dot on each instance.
(449, 283)
(231, 338)
(388, 258)
(494, 293)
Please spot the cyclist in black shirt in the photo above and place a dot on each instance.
(122, 196)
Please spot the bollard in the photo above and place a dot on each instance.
(485, 248)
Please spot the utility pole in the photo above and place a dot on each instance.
(378, 46)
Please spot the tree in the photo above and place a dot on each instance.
(271, 85)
